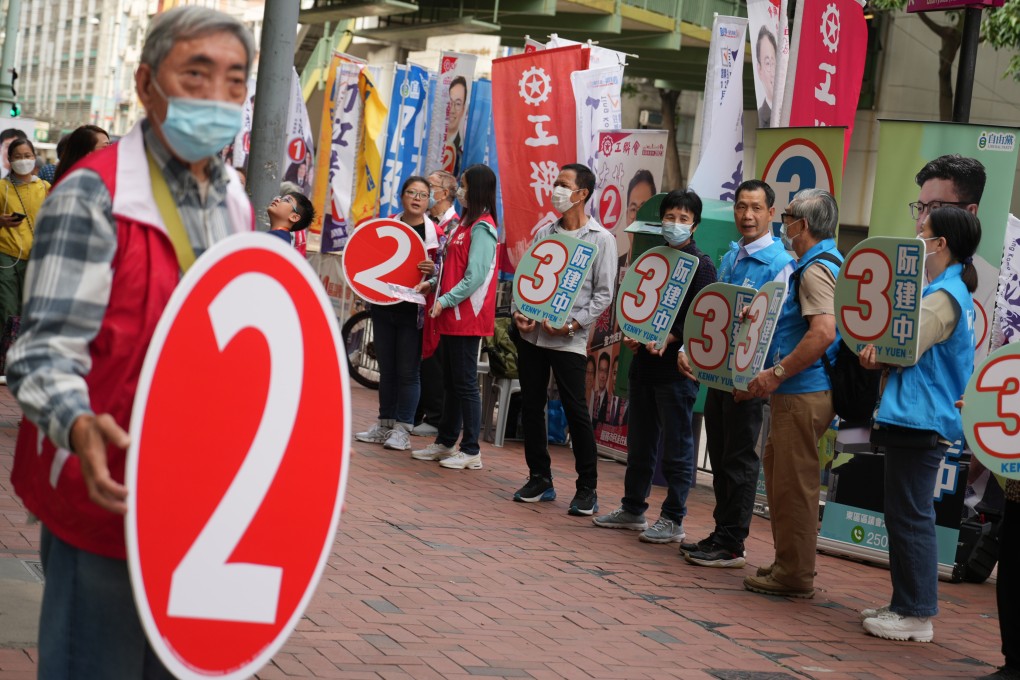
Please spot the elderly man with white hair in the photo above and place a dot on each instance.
(110, 246)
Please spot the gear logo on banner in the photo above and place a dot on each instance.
(535, 86)
(607, 146)
(830, 28)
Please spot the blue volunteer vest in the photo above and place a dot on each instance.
(792, 326)
(922, 396)
(754, 270)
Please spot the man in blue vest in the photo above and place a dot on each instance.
(800, 390)
(733, 426)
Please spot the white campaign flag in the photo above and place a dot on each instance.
(721, 161)
(448, 117)
(770, 52)
(598, 96)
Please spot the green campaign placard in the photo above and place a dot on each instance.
(710, 328)
(652, 290)
(878, 298)
(755, 334)
(549, 277)
(991, 412)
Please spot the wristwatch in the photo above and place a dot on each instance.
(570, 328)
(779, 371)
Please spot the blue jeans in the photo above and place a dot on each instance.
(89, 627)
(398, 350)
(660, 414)
(910, 520)
(462, 402)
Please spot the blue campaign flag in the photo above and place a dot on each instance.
(480, 142)
(405, 134)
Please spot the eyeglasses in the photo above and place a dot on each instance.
(287, 199)
(416, 194)
(789, 216)
(918, 208)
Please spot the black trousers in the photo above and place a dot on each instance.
(732, 429)
(430, 401)
(1007, 588)
(533, 365)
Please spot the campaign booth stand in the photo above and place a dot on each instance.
(853, 520)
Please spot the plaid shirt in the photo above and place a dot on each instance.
(67, 284)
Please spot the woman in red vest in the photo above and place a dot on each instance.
(465, 311)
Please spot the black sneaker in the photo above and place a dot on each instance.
(686, 547)
(717, 556)
(536, 489)
(585, 502)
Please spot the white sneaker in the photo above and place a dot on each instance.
(425, 430)
(891, 626)
(434, 451)
(377, 435)
(399, 438)
(461, 460)
(873, 612)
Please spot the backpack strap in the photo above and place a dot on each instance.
(795, 276)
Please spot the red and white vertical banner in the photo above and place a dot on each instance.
(531, 45)
(826, 65)
(628, 171)
(598, 57)
(721, 162)
(297, 159)
(535, 120)
(238, 151)
(770, 54)
(448, 119)
(597, 93)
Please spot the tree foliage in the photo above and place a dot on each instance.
(1001, 28)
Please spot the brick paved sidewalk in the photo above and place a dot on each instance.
(437, 574)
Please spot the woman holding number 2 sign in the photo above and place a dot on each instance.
(917, 421)
(465, 311)
(398, 336)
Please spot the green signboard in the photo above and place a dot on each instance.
(991, 412)
(549, 277)
(652, 290)
(878, 298)
(755, 335)
(710, 329)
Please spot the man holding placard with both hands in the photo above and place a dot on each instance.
(543, 348)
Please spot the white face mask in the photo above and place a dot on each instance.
(25, 166)
(561, 199)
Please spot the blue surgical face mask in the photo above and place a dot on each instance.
(676, 233)
(199, 128)
(787, 240)
(432, 199)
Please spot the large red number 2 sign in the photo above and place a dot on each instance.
(869, 319)
(248, 354)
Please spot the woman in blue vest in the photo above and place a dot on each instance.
(917, 422)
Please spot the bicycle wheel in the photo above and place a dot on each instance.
(359, 342)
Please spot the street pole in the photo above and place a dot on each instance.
(272, 103)
(968, 62)
(11, 28)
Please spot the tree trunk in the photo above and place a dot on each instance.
(951, 38)
(672, 175)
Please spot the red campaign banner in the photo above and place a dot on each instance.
(831, 35)
(536, 134)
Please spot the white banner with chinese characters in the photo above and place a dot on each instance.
(721, 162)
(447, 119)
(770, 55)
(337, 222)
(597, 93)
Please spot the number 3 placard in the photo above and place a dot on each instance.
(651, 293)
(380, 252)
(755, 336)
(991, 412)
(710, 330)
(550, 275)
(238, 460)
(878, 298)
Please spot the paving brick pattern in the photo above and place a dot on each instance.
(437, 574)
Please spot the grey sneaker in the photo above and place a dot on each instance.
(434, 451)
(621, 519)
(462, 461)
(425, 430)
(872, 613)
(399, 438)
(377, 434)
(664, 530)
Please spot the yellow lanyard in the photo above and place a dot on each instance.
(171, 217)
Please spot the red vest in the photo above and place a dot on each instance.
(477, 314)
(145, 273)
